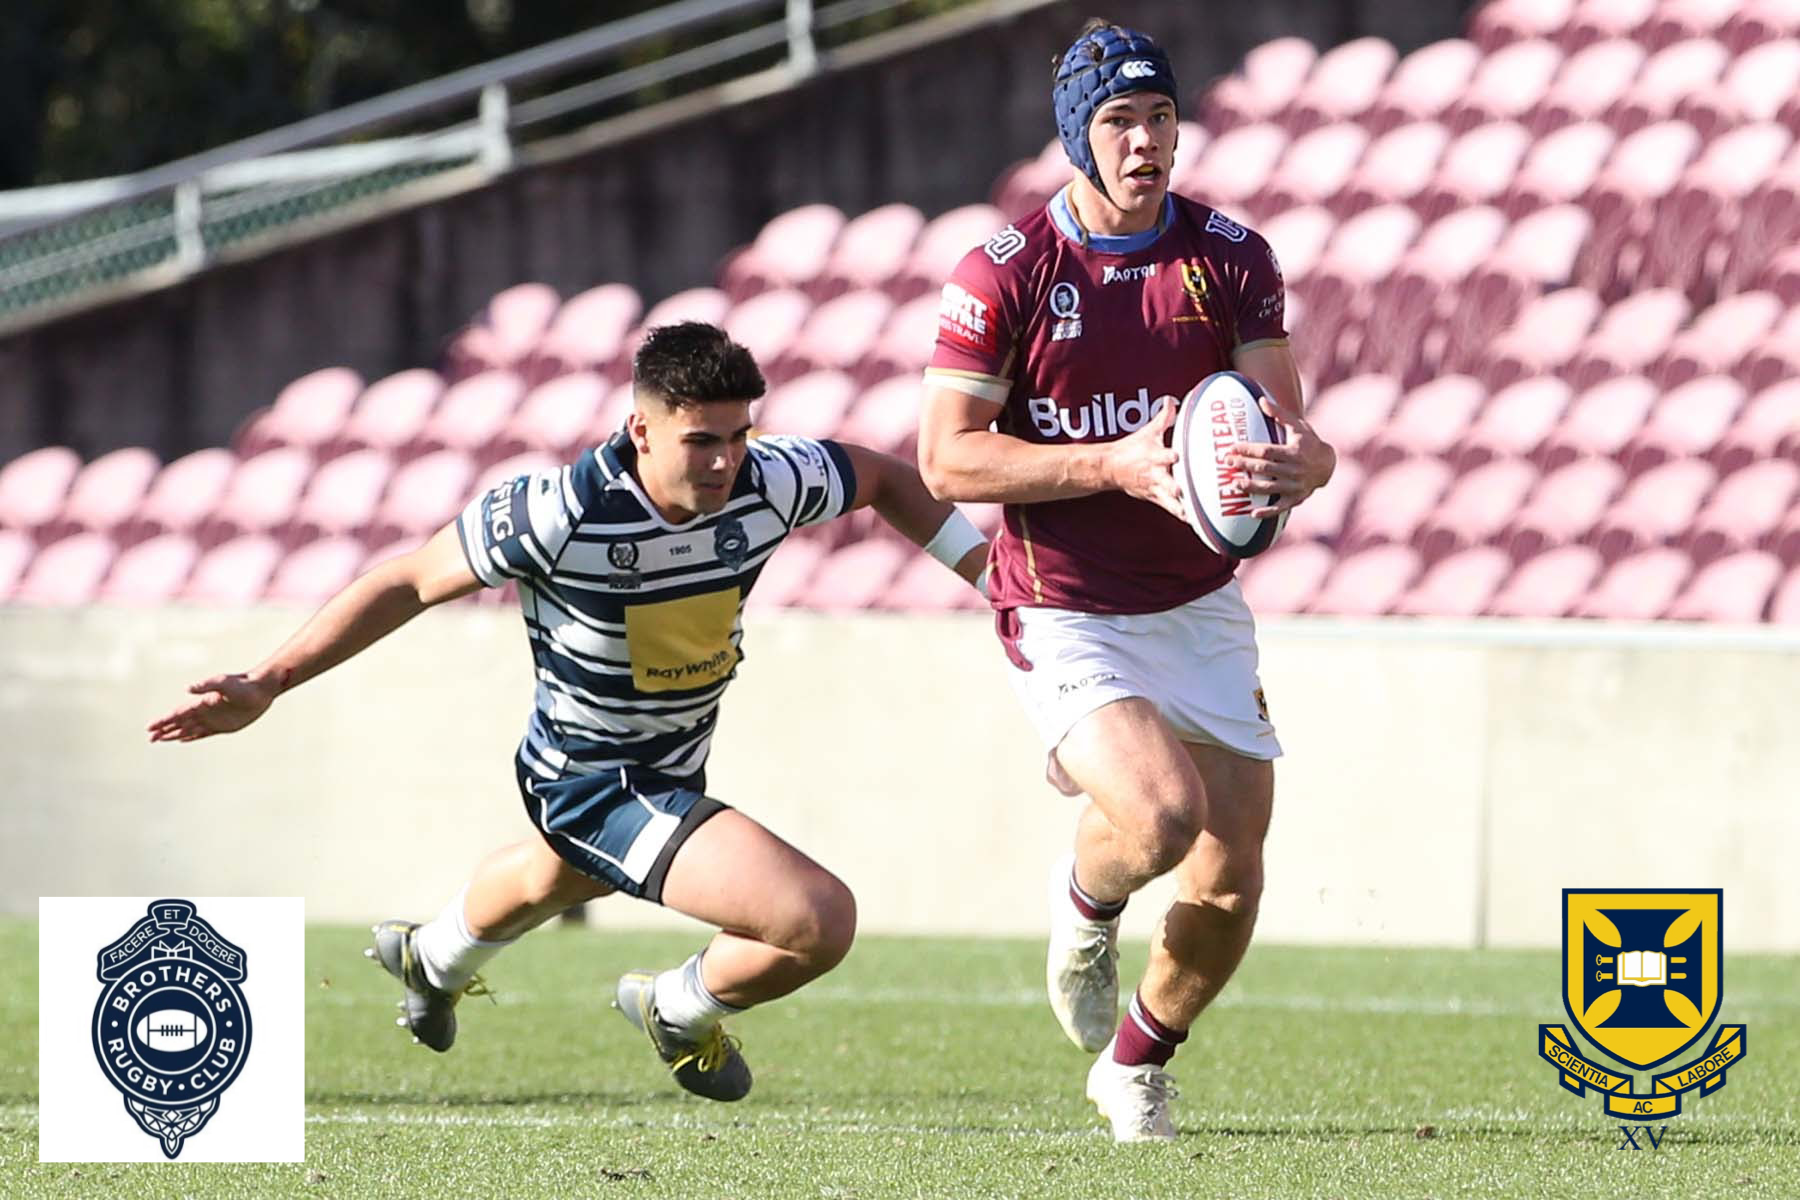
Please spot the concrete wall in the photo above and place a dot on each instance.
(929, 115)
(1443, 782)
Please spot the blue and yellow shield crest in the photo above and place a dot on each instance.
(1643, 970)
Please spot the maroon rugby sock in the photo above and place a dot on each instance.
(1144, 1039)
(1092, 909)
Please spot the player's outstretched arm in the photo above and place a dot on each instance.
(894, 490)
(960, 458)
(1304, 463)
(372, 607)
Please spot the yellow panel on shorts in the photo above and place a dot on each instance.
(681, 644)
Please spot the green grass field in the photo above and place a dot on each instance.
(933, 1068)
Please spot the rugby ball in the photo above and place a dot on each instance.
(1222, 410)
(171, 1029)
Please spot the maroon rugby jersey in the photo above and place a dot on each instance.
(1078, 342)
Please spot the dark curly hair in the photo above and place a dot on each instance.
(694, 363)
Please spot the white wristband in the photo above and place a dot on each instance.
(954, 538)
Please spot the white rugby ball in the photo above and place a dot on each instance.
(171, 1029)
(1222, 410)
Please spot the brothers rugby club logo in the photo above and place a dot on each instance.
(171, 1029)
(1643, 978)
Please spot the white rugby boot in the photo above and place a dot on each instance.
(1134, 1099)
(1081, 970)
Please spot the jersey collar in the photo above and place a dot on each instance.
(1064, 218)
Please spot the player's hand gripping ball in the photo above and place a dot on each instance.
(1221, 411)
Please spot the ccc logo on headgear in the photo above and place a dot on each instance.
(1138, 68)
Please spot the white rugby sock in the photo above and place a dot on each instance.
(447, 950)
(684, 1005)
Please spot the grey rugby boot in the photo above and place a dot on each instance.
(430, 1011)
(710, 1067)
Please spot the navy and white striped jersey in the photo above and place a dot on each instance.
(635, 623)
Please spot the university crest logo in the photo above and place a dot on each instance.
(171, 1029)
(1643, 978)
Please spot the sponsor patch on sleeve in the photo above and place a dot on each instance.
(967, 319)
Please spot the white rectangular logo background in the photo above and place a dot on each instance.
(261, 1116)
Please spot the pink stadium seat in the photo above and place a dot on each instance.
(1368, 583)
(1462, 585)
(1781, 275)
(1429, 421)
(588, 332)
(1343, 83)
(791, 251)
(182, 495)
(1476, 168)
(67, 572)
(1761, 21)
(1516, 421)
(234, 573)
(1689, 421)
(391, 413)
(1396, 501)
(1541, 340)
(1537, 254)
(34, 486)
(856, 576)
(506, 332)
(941, 245)
(555, 417)
(1769, 216)
(1409, 308)
(340, 498)
(424, 496)
(1286, 578)
(1351, 415)
(471, 414)
(1365, 250)
(782, 581)
(1315, 165)
(906, 342)
(1654, 508)
(1321, 518)
(1589, 83)
(1503, 22)
(1671, 75)
(315, 572)
(1235, 166)
(1745, 511)
(1676, 20)
(767, 324)
(886, 417)
(1398, 166)
(1719, 339)
(925, 585)
(1644, 167)
(839, 333)
(871, 250)
(16, 549)
(151, 572)
(1597, 20)
(308, 413)
(528, 463)
(1506, 85)
(1027, 185)
(1770, 421)
(1476, 508)
(1630, 336)
(1270, 78)
(1565, 507)
(811, 406)
(1735, 590)
(1298, 236)
(608, 420)
(1424, 85)
(1690, 241)
(1776, 357)
(1559, 169)
(1784, 606)
(107, 492)
(1756, 87)
(263, 495)
(695, 304)
(1549, 585)
(1639, 588)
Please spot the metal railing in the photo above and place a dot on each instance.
(59, 242)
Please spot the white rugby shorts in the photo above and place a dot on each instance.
(1196, 663)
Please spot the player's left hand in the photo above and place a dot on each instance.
(1288, 473)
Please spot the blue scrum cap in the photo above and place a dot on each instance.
(1100, 65)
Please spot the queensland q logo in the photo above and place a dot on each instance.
(171, 1029)
(1065, 300)
(1138, 68)
(1643, 978)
